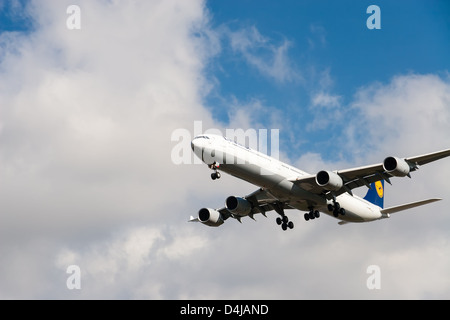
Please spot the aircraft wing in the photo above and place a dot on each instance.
(261, 201)
(360, 176)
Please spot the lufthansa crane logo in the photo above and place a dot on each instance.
(379, 188)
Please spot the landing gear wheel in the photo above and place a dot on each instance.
(215, 175)
(285, 223)
(312, 214)
(336, 208)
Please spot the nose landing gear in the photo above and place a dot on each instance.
(216, 174)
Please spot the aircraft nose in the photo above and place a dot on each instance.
(197, 143)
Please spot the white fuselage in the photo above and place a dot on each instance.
(277, 177)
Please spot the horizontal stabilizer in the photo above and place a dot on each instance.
(408, 206)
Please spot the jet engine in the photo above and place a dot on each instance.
(329, 180)
(396, 167)
(210, 217)
(238, 206)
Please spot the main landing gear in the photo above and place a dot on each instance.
(312, 214)
(283, 220)
(285, 223)
(336, 208)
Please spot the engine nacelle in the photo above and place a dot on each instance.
(329, 180)
(238, 206)
(210, 217)
(396, 166)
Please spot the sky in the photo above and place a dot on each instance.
(90, 99)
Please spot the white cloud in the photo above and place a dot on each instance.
(327, 111)
(318, 36)
(326, 100)
(409, 114)
(107, 266)
(86, 118)
(259, 51)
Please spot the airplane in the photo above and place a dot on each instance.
(282, 186)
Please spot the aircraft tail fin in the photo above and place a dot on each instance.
(375, 194)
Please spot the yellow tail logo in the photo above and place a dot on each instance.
(379, 188)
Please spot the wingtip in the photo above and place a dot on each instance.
(192, 219)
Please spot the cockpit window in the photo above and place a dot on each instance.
(199, 137)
